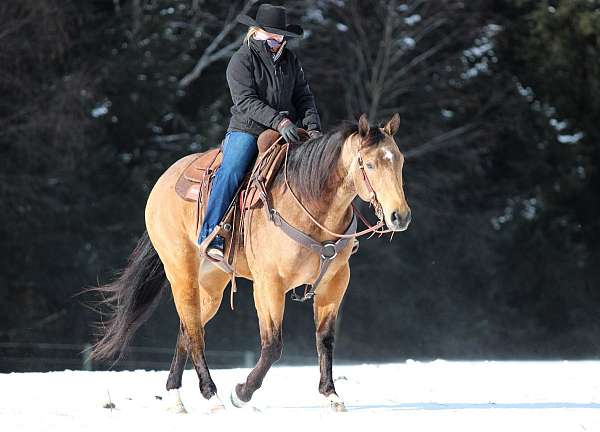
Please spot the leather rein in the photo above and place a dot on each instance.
(373, 201)
(327, 250)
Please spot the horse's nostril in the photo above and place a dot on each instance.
(395, 217)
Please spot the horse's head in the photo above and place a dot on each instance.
(378, 174)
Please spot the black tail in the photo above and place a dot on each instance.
(131, 300)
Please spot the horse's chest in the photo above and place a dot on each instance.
(303, 267)
(276, 253)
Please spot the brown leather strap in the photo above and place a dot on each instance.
(327, 250)
(372, 195)
(372, 229)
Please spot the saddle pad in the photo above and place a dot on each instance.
(194, 183)
(198, 173)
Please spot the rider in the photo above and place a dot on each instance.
(269, 90)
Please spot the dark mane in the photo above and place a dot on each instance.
(311, 164)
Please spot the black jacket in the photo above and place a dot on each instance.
(263, 89)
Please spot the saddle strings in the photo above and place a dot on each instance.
(243, 223)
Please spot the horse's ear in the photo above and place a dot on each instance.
(363, 125)
(392, 126)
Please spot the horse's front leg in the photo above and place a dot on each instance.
(269, 300)
(326, 305)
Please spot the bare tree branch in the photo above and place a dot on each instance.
(214, 51)
(14, 26)
(137, 15)
(440, 141)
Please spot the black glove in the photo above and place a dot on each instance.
(288, 130)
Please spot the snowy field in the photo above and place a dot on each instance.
(411, 396)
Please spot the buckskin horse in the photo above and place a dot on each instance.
(313, 193)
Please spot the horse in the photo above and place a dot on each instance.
(324, 175)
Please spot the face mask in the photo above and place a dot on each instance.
(273, 43)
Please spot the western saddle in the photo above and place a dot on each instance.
(195, 182)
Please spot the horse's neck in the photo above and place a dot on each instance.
(343, 190)
(333, 209)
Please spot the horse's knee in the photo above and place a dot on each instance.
(326, 342)
(272, 351)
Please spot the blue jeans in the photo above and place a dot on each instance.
(239, 151)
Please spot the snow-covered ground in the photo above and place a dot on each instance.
(411, 396)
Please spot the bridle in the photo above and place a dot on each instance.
(372, 199)
(327, 250)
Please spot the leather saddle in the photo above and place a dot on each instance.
(194, 183)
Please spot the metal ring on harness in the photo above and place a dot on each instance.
(274, 216)
(328, 247)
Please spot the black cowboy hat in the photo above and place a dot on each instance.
(272, 19)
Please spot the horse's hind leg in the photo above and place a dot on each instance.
(179, 360)
(326, 306)
(269, 300)
(176, 372)
(197, 298)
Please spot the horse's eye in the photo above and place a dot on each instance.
(369, 165)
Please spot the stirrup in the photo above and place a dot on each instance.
(215, 254)
(308, 294)
(204, 246)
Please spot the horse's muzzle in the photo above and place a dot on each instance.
(398, 221)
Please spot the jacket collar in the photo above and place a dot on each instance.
(261, 48)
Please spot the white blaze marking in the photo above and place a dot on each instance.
(388, 155)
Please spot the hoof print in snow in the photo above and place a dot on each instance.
(215, 405)
(216, 410)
